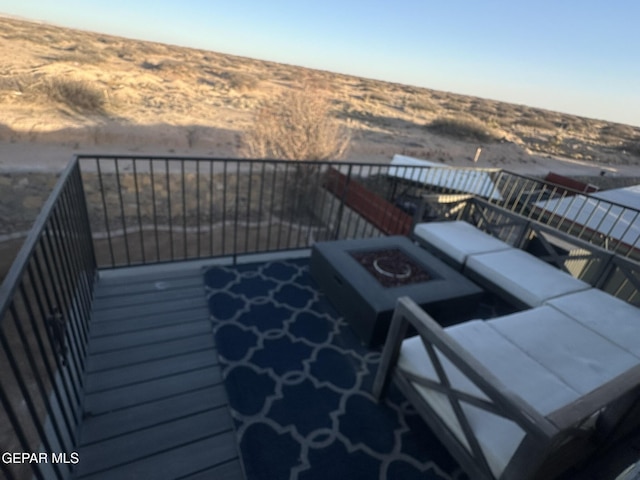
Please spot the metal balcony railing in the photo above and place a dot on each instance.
(45, 307)
(152, 210)
(613, 226)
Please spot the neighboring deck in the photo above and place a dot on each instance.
(155, 405)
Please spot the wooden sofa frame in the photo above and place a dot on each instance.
(551, 443)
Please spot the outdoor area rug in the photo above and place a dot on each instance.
(299, 384)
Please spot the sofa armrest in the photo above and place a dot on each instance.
(407, 313)
(493, 397)
(547, 443)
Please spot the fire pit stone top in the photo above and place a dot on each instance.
(359, 294)
(392, 267)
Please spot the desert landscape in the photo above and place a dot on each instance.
(65, 92)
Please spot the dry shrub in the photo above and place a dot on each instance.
(616, 134)
(79, 95)
(463, 127)
(483, 109)
(150, 65)
(632, 147)
(241, 81)
(378, 97)
(297, 125)
(419, 103)
(537, 122)
(17, 83)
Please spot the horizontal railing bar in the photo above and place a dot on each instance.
(341, 163)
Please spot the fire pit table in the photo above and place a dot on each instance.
(364, 278)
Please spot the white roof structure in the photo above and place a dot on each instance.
(465, 180)
(614, 213)
(628, 196)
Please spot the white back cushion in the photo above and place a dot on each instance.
(583, 359)
(605, 314)
(458, 239)
(524, 276)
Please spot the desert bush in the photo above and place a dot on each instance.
(456, 104)
(615, 133)
(149, 65)
(536, 122)
(464, 127)
(241, 81)
(377, 97)
(79, 95)
(297, 125)
(632, 147)
(483, 110)
(17, 83)
(508, 110)
(123, 51)
(419, 104)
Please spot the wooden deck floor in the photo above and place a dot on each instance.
(155, 406)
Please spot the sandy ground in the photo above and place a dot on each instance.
(65, 91)
(53, 157)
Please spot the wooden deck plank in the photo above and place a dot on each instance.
(176, 462)
(159, 438)
(154, 402)
(137, 417)
(144, 372)
(144, 298)
(137, 274)
(228, 471)
(146, 337)
(122, 326)
(130, 395)
(152, 308)
(139, 354)
(117, 288)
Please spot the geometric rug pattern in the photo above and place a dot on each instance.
(299, 384)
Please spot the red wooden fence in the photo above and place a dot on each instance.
(384, 215)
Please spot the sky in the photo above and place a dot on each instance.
(574, 56)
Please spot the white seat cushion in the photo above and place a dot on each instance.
(605, 314)
(523, 276)
(581, 358)
(523, 376)
(458, 239)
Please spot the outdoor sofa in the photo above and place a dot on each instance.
(528, 394)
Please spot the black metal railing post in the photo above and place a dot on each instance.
(341, 204)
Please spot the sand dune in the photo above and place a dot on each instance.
(65, 91)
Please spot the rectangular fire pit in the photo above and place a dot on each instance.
(364, 278)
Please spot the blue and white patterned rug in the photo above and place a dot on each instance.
(299, 384)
